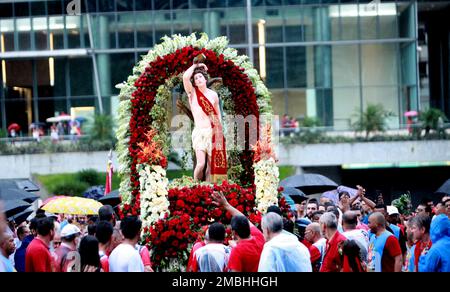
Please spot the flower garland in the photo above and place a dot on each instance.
(173, 217)
(139, 95)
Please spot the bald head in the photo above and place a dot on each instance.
(314, 227)
(377, 222)
(313, 233)
(349, 220)
(379, 217)
(5, 237)
(7, 246)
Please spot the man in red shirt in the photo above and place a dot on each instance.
(317, 245)
(385, 254)
(38, 257)
(250, 240)
(66, 254)
(420, 228)
(103, 232)
(332, 261)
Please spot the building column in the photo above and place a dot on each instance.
(3, 107)
(322, 67)
(103, 62)
(211, 23)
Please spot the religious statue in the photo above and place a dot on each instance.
(208, 140)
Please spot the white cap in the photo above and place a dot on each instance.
(391, 210)
(69, 230)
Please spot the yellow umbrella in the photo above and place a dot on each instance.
(73, 206)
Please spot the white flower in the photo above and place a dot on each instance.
(154, 191)
(266, 182)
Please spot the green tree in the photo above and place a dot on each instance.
(101, 128)
(89, 176)
(430, 118)
(311, 122)
(373, 119)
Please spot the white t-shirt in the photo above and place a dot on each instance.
(212, 257)
(283, 253)
(362, 239)
(321, 245)
(125, 258)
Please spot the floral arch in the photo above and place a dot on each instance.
(173, 215)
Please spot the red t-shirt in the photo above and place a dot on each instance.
(314, 253)
(390, 251)
(245, 256)
(64, 260)
(418, 252)
(332, 260)
(145, 256)
(347, 268)
(104, 261)
(38, 257)
(192, 263)
(306, 243)
(315, 257)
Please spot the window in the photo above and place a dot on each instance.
(274, 60)
(296, 66)
(81, 76)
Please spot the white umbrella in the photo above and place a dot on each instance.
(59, 119)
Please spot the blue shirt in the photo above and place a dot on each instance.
(365, 219)
(19, 257)
(6, 263)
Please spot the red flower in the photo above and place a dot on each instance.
(217, 213)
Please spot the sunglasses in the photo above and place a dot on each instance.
(58, 243)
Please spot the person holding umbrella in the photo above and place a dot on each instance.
(409, 120)
(12, 130)
(54, 134)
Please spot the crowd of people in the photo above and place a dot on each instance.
(289, 125)
(74, 244)
(354, 235)
(57, 131)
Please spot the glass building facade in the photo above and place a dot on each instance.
(326, 59)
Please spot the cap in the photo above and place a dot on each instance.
(391, 210)
(274, 209)
(302, 222)
(69, 230)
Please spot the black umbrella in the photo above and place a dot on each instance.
(94, 192)
(309, 183)
(27, 185)
(444, 189)
(112, 199)
(296, 195)
(17, 194)
(13, 207)
(22, 216)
